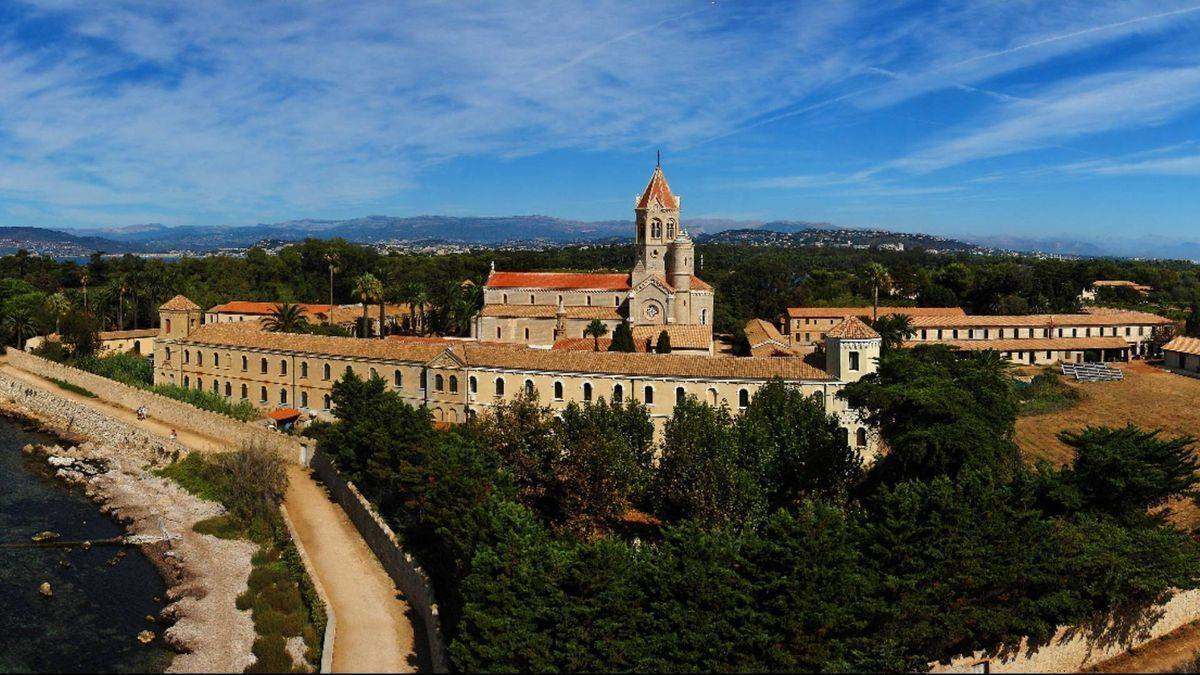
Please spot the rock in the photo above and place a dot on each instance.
(44, 535)
(146, 637)
(64, 563)
(149, 619)
(45, 589)
(60, 461)
(27, 449)
(87, 546)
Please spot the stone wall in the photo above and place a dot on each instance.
(1075, 649)
(71, 418)
(177, 414)
(400, 566)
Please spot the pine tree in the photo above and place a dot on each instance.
(622, 340)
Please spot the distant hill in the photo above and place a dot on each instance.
(823, 235)
(59, 244)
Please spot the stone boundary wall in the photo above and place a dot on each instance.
(400, 566)
(1076, 649)
(330, 617)
(75, 419)
(166, 410)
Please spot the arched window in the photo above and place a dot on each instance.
(648, 395)
(262, 365)
(680, 395)
(327, 402)
(187, 356)
(704, 317)
(199, 383)
(424, 379)
(245, 363)
(398, 378)
(558, 391)
(587, 391)
(304, 369)
(670, 229)
(743, 398)
(187, 383)
(283, 397)
(438, 382)
(655, 229)
(453, 384)
(529, 387)
(505, 300)
(304, 399)
(527, 335)
(498, 336)
(325, 371)
(712, 396)
(168, 353)
(245, 392)
(262, 394)
(216, 360)
(531, 298)
(473, 384)
(199, 357)
(168, 325)
(216, 387)
(374, 374)
(499, 386)
(618, 393)
(283, 366)
(860, 437)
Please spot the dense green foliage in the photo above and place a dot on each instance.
(131, 369)
(206, 400)
(250, 483)
(758, 542)
(1045, 393)
(71, 387)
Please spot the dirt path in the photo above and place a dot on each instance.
(373, 633)
(1161, 655)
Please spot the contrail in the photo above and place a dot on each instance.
(597, 48)
(1078, 33)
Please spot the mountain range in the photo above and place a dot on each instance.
(154, 237)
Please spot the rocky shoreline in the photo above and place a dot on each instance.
(204, 574)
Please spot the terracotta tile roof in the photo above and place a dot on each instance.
(1184, 345)
(682, 336)
(559, 280)
(852, 328)
(247, 334)
(1039, 320)
(766, 340)
(250, 334)
(127, 334)
(581, 344)
(643, 365)
(700, 284)
(551, 311)
(1029, 344)
(179, 303)
(842, 312)
(658, 190)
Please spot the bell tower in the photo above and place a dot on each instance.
(656, 217)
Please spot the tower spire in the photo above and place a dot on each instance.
(658, 158)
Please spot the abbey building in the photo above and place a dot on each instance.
(661, 291)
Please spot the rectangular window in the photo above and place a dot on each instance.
(853, 361)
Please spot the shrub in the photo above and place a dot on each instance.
(130, 369)
(242, 410)
(51, 350)
(63, 384)
(255, 482)
(1045, 393)
(221, 527)
(271, 654)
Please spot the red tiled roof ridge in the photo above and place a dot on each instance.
(179, 303)
(606, 281)
(658, 190)
(852, 328)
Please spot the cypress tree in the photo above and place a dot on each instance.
(622, 340)
(663, 346)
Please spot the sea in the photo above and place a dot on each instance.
(92, 621)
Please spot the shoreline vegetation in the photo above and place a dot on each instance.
(238, 600)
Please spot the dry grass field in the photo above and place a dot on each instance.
(1149, 397)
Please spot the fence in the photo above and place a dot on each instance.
(166, 410)
(400, 566)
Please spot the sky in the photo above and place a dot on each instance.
(1038, 118)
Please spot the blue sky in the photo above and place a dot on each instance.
(1031, 118)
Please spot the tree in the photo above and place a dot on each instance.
(663, 345)
(521, 432)
(622, 339)
(286, 317)
(368, 289)
(1192, 325)
(595, 330)
(701, 474)
(939, 412)
(877, 277)
(1127, 471)
(57, 305)
(332, 259)
(798, 449)
(79, 334)
(19, 326)
(894, 329)
(741, 343)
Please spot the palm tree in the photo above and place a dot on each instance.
(287, 317)
(368, 288)
(84, 277)
(596, 330)
(332, 259)
(58, 305)
(20, 325)
(894, 329)
(121, 286)
(419, 298)
(877, 276)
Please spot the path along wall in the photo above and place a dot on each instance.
(400, 566)
(1075, 649)
(177, 414)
